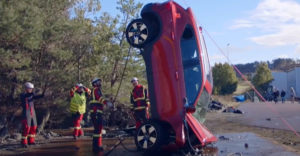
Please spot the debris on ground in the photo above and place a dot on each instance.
(232, 110)
(223, 138)
(239, 98)
(217, 106)
(214, 105)
(235, 154)
(49, 135)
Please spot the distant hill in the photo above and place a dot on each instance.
(280, 64)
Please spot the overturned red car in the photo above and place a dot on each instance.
(179, 77)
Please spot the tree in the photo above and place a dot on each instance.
(55, 45)
(115, 53)
(38, 43)
(263, 77)
(225, 80)
(283, 63)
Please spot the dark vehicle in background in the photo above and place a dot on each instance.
(179, 77)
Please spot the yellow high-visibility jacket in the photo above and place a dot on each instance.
(78, 103)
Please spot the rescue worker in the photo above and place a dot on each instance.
(96, 109)
(293, 94)
(140, 103)
(29, 122)
(79, 95)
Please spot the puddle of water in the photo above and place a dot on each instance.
(234, 144)
(248, 144)
(80, 147)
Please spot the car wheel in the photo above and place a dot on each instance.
(150, 137)
(139, 32)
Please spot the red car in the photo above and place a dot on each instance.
(179, 77)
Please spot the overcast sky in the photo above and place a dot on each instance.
(246, 30)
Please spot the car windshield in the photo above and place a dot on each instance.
(191, 64)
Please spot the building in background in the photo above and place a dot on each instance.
(287, 79)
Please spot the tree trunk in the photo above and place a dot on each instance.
(44, 121)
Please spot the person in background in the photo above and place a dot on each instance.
(282, 95)
(276, 95)
(79, 95)
(140, 102)
(293, 94)
(29, 122)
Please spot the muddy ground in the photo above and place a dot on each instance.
(246, 134)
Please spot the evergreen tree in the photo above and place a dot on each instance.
(55, 45)
(263, 77)
(225, 80)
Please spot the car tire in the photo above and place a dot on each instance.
(139, 32)
(150, 137)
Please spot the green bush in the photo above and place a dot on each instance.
(225, 80)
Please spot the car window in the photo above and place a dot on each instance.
(191, 64)
(202, 106)
(207, 68)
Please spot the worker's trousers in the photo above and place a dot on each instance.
(140, 116)
(96, 115)
(29, 130)
(77, 118)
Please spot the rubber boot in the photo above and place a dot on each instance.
(31, 140)
(24, 143)
(97, 144)
(80, 132)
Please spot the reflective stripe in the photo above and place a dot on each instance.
(31, 135)
(97, 135)
(78, 103)
(140, 108)
(98, 111)
(93, 94)
(138, 99)
(96, 103)
(77, 127)
(100, 101)
(24, 137)
(93, 97)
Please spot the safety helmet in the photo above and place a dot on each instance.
(134, 79)
(29, 85)
(79, 85)
(95, 80)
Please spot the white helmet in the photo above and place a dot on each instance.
(134, 79)
(79, 85)
(29, 85)
(95, 80)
